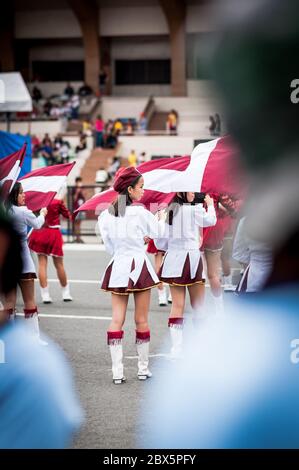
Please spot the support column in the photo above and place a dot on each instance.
(7, 59)
(175, 13)
(87, 13)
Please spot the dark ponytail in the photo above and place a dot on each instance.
(179, 200)
(12, 198)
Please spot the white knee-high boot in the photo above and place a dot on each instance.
(45, 295)
(66, 295)
(142, 345)
(176, 335)
(218, 303)
(114, 339)
(31, 321)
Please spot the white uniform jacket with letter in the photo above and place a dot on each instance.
(123, 237)
(183, 238)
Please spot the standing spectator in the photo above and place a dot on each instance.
(78, 200)
(114, 167)
(46, 152)
(118, 126)
(99, 131)
(36, 94)
(217, 124)
(69, 90)
(129, 128)
(75, 105)
(132, 158)
(142, 125)
(142, 158)
(212, 126)
(172, 122)
(82, 144)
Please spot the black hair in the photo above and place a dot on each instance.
(78, 179)
(179, 200)
(12, 198)
(11, 269)
(118, 207)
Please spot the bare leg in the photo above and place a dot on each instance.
(61, 274)
(178, 301)
(27, 289)
(213, 271)
(42, 270)
(142, 302)
(119, 308)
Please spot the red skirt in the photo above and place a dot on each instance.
(185, 278)
(144, 282)
(46, 241)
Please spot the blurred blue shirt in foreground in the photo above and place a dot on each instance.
(238, 384)
(38, 404)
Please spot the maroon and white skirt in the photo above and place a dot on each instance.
(145, 281)
(46, 241)
(185, 279)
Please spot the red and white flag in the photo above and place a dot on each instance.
(41, 185)
(213, 167)
(10, 168)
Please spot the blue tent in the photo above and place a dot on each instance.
(10, 143)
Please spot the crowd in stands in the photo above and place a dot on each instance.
(54, 151)
(66, 105)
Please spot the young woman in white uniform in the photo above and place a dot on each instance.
(124, 230)
(182, 266)
(22, 217)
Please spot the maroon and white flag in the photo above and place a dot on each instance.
(10, 168)
(213, 167)
(41, 185)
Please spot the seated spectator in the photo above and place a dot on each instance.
(47, 108)
(85, 90)
(111, 140)
(82, 144)
(115, 165)
(87, 127)
(35, 145)
(129, 128)
(46, 151)
(118, 126)
(69, 90)
(36, 94)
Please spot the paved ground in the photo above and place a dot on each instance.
(111, 411)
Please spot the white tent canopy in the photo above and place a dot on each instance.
(14, 95)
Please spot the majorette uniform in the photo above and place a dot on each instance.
(129, 269)
(22, 218)
(48, 240)
(257, 255)
(182, 264)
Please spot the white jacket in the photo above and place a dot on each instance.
(123, 238)
(183, 238)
